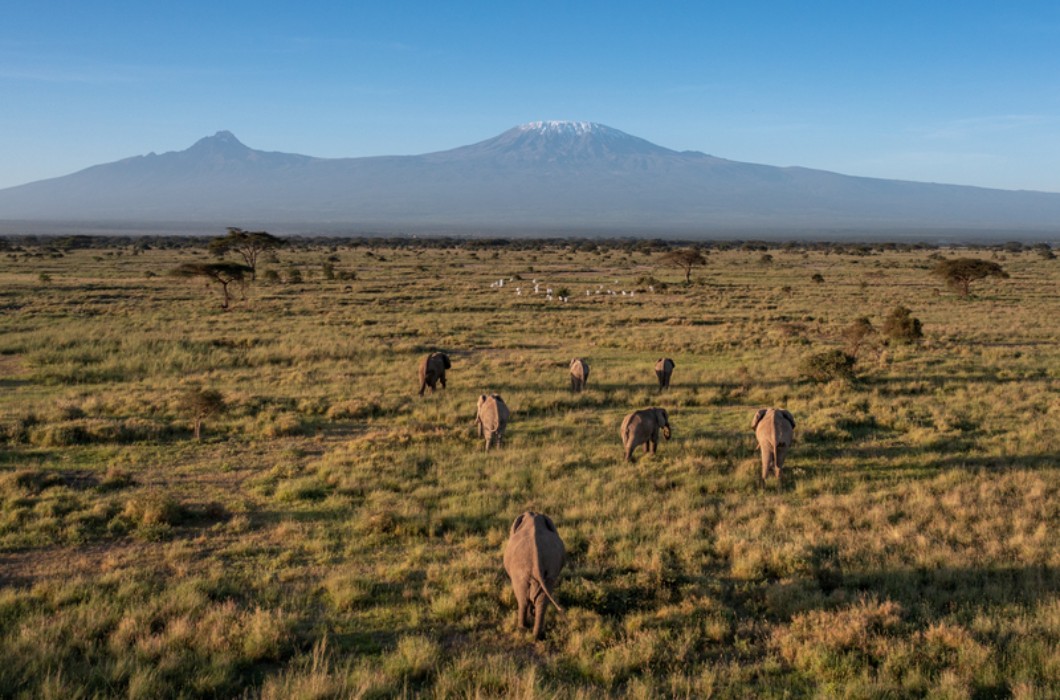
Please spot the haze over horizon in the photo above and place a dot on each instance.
(951, 94)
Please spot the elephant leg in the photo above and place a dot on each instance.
(442, 380)
(539, 617)
(423, 388)
(767, 458)
(521, 616)
(781, 451)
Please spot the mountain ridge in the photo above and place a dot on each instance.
(540, 174)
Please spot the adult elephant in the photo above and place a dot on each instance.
(579, 374)
(775, 429)
(642, 428)
(533, 559)
(432, 371)
(663, 369)
(492, 418)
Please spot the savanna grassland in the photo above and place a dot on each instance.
(335, 535)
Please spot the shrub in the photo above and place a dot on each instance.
(827, 366)
(900, 326)
(857, 334)
(271, 276)
(817, 278)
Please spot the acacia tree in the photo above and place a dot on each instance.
(201, 404)
(959, 273)
(249, 244)
(223, 273)
(685, 259)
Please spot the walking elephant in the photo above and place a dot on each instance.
(663, 369)
(533, 559)
(432, 371)
(579, 374)
(774, 428)
(492, 418)
(642, 428)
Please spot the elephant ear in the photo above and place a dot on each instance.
(517, 523)
(758, 417)
(481, 400)
(788, 417)
(548, 523)
(445, 361)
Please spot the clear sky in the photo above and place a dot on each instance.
(933, 90)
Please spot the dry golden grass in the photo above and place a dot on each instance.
(334, 535)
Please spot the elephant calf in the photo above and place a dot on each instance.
(533, 560)
(663, 369)
(432, 371)
(774, 428)
(579, 374)
(492, 418)
(642, 428)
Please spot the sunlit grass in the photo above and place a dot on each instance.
(335, 535)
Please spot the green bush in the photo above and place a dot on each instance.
(900, 326)
(827, 366)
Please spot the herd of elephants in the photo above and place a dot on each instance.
(535, 555)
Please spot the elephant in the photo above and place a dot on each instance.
(774, 428)
(663, 369)
(432, 371)
(492, 418)
(579, 374)
(533, 559)
(642, 428)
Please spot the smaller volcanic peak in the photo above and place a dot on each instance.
(222, 144)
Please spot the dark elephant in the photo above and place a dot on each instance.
(533, 559)
(432, 371)
(663, 369)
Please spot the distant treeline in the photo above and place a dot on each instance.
(137, 243)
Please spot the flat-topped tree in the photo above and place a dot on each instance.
(249, 245)
(685, 259)
(223, 273)
(959, 273)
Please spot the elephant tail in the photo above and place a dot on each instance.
(539, 576)
(549, 595)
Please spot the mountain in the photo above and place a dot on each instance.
(541, 176)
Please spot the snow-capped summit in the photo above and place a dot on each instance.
(561, 127)
(567, 142)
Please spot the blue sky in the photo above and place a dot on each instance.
(959, 92)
